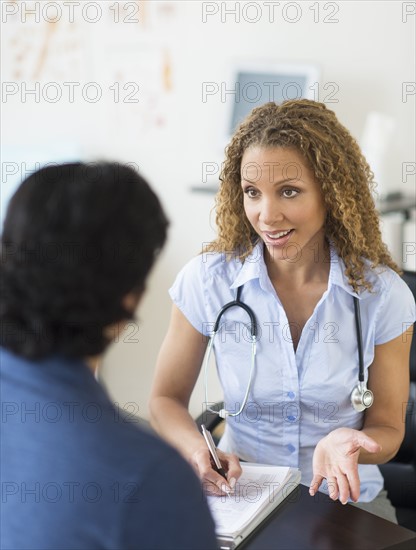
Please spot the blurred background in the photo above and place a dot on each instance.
(155, 84)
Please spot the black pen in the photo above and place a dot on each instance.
(211, 446)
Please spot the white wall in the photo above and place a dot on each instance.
(171, 132)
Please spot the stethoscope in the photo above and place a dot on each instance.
(361, 397)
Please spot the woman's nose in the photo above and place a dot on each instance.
(270, 213)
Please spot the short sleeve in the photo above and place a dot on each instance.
(397, 311)
(188, 294)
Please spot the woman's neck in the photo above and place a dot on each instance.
(311, 265)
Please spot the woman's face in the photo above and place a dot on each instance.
(283, 201)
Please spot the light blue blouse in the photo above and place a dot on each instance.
(296, 397)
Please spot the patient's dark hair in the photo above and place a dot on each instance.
(77, 238)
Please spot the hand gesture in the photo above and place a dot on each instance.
(336, 459)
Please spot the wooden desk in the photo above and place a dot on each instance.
(305, 522)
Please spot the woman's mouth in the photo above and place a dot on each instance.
(277, 238)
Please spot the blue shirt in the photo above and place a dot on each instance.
(78, 474)
(298, 397)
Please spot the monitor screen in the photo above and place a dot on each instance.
(256, 84)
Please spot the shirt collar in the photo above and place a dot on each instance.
(254, 267)
(337, 275)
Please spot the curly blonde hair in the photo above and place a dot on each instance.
(352, 222)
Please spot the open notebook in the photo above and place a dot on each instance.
(258, 491)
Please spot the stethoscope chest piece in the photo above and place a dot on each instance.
(361, 398)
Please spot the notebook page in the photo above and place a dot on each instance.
(253, 491)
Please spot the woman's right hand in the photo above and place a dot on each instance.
(213, 483)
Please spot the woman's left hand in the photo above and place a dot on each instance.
(336, 459)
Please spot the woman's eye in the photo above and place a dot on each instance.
(289, 193)
(251, 193)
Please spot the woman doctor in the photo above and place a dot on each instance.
(299, 235)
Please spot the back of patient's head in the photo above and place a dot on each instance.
(77, 238)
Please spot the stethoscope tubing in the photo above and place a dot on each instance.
(359, 339)
(360, 397)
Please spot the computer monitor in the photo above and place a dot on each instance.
(257, 83)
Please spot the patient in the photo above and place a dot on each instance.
(77, 246)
